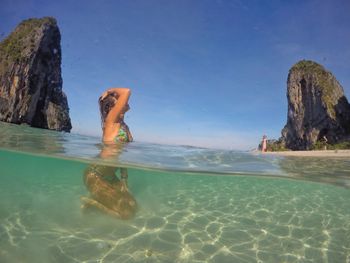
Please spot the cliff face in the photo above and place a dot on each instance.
(317, 107)
(30, 76)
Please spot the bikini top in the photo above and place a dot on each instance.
(122, 135)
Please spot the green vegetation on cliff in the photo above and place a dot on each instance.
(276, 146)
(321, 145)
(308, 67)
(22, 38)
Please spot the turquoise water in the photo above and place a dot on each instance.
(193, 205)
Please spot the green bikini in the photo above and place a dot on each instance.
(122, 135)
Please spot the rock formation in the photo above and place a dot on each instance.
(317, 107)
(30, 76)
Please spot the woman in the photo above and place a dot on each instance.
(113, 105)
(264, 144)
(109, 194)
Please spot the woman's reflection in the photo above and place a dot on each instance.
(109, 193)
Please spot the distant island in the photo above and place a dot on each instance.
(30, 76)
(318, 111)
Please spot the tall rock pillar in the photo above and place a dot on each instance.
(30, 76)
(317, 107)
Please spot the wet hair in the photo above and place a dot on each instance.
(106, 104)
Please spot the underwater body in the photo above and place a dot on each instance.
(193, 204)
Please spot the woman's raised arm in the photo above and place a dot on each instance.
(123, 95)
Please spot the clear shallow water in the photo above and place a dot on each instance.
(250, 210)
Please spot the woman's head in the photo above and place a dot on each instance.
(106, 103)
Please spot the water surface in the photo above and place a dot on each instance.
(194, 205)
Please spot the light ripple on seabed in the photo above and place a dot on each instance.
(205, 219)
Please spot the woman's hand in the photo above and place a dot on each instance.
(104, 95)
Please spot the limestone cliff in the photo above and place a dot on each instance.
(317, 107)
(30, 76)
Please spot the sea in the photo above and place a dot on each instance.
(184, 204)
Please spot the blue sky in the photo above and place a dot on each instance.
(202, 72)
